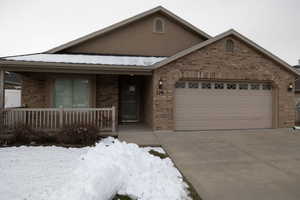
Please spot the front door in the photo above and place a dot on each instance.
(129, 100)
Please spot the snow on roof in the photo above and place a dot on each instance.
(89, 59)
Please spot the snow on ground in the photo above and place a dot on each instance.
(97, 173)
(28, 172)
(89, 59)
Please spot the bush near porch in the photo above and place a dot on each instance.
(71, 135)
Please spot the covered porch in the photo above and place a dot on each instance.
(58, 94)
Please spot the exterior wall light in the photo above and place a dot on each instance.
(160, 87)
(290, 87)
(160, 84)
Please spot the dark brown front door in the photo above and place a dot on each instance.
(129, 99)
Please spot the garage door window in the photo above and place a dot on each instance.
(206, 85)
(219, 85)
(255, 86)
(243, 86)
(180, 84)
(193, 85)
(231, 86)
(267, 87)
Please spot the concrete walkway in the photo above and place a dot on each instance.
(242, 165)
(138, 134)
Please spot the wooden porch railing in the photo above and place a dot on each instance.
(57, 118)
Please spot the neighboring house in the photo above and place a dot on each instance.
(297, 95)
(158, 69)
(12, 90)
(12, 81)
(12, 98)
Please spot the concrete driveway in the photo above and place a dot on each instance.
(238, 165)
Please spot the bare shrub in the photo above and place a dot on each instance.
(24, 134)
(3, 114)
(78, 134)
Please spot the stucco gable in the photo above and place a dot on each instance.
(135, 36)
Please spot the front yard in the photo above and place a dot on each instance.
(111, 169)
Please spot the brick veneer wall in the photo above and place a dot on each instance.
(147, 102)
(213, 62)
(34, 92)
(297, 100)
(107, 91)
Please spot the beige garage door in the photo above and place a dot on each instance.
(221, 105)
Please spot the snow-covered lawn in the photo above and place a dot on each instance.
(91, 173)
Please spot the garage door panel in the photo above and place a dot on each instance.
(214, 125)
(182, 99)
(196, 117)
(203, 109)
(230, 104)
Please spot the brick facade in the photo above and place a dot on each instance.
(147, 102)
(34, 92)
(214, 62)
(297, 101)
(107, 91)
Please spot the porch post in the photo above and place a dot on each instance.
(61, 117)
(2, 103)
(113, 109)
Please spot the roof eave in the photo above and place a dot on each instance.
(28, 66)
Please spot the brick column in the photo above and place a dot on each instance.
(2, 103)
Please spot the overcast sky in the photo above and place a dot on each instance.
(32, 26)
